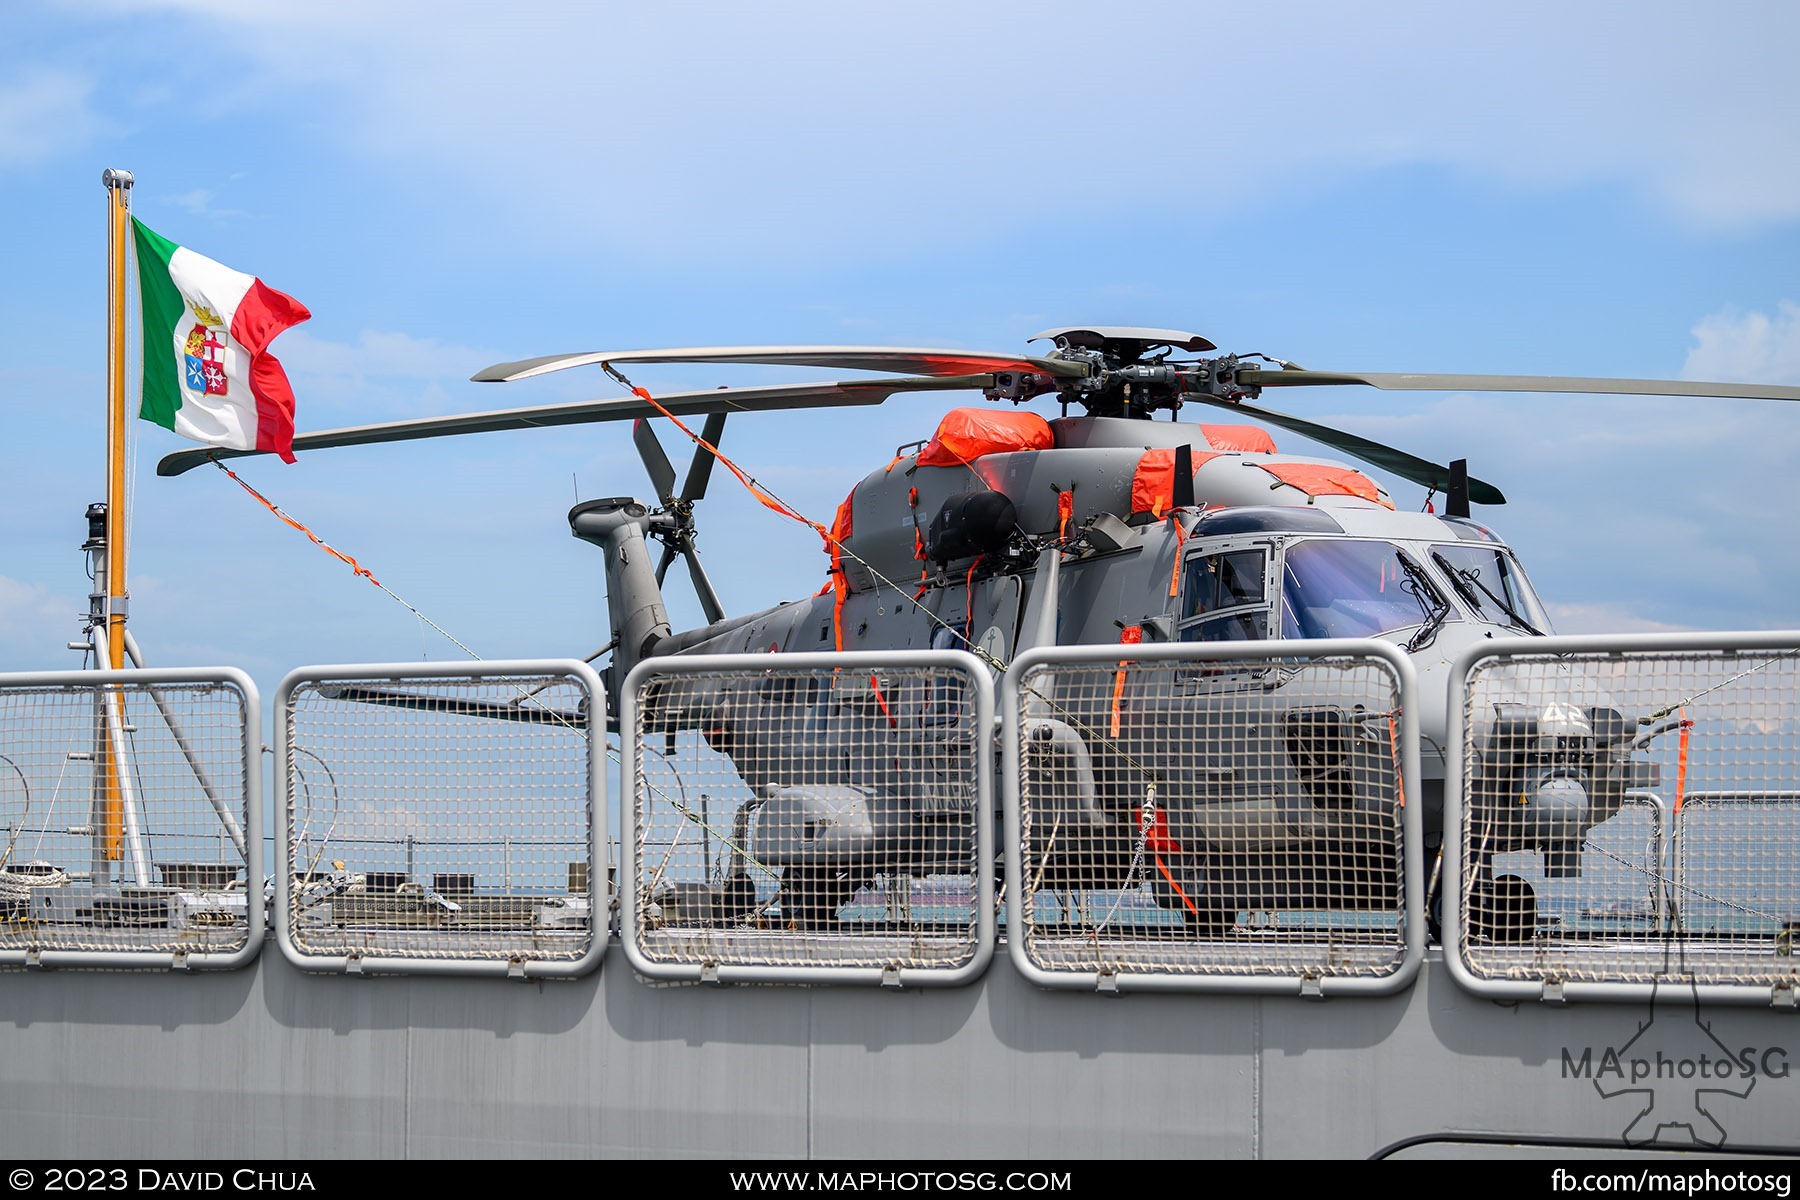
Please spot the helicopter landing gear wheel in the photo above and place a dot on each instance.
(1503, 909)
(813, 895)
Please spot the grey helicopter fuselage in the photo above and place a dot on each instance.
(1069, 543)
(1091, 531)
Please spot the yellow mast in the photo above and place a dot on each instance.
(118, 205)
(118, 202)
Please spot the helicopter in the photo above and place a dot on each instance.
(1007, 530)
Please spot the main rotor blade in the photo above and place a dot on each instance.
(662, 472)
(1299, 377)
(850, 393)
(701, 465)
(937, 363)
(709, 599)
(1406, 466)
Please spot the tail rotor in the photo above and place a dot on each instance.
(677, 528)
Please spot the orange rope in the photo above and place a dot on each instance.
(342, 557)
(839, 583)
(266, 503)
(768, 501)
(833, 543)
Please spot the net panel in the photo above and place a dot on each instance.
(1629, 816)
(1226, 818)
(440, 818)
(802, 817)
(123, 814)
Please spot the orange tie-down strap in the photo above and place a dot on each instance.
(841, 528)
(1175, 572)
(892, 720)
(1681, 758)
(1159, 841)
(1317, 479)
(1131, 636)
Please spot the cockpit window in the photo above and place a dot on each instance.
(1348, 589)
(1224, 597)
(1218, 581)
(1489, 581)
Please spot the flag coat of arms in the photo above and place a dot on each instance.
(208, 374)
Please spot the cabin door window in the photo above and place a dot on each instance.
(1224, 595)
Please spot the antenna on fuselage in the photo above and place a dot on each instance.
(1456, 493)
(1182, 489)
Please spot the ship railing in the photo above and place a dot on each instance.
(808, 818)
(1220, 817)
(1622, 816)
(130, 819)
(442, 818)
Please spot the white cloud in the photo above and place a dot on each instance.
(689, 126)
(35, 625)
(26, 601)
(1747, 347)
(1605, 618)
(381, 372)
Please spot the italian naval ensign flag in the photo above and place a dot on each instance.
(207, 371)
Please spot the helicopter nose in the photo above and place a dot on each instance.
(1556, 811)
(1560, 803)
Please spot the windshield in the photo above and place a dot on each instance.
(1353, 589)
(1490, 582)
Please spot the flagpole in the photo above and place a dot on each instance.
(118, 203)
(118, 816)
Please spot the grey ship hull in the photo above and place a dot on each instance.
(269, 1062)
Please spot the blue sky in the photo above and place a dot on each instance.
(1604, 189)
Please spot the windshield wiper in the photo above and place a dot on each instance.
(1459, 583)
(1463, 576)
(1419, 584)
